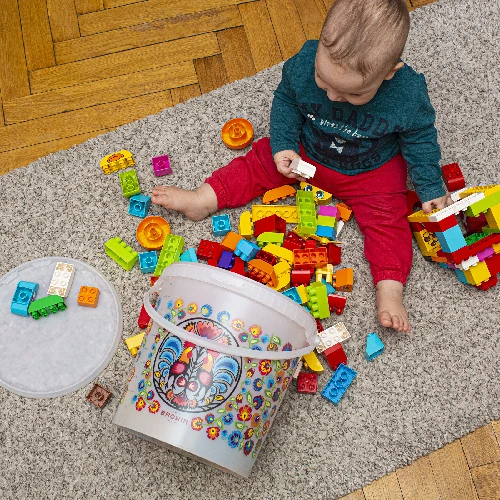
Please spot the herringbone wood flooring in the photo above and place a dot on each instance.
(74, 69)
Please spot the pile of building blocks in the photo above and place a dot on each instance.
(464, 236)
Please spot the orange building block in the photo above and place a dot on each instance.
(237, 133)
(343, 280)
(230, 241)
(88, 296)
(345, 211)
(278, 194)
(263, 272)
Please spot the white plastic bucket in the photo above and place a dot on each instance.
(215, 364)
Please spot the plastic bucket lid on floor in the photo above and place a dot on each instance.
(215, 364)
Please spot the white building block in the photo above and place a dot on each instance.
(303, 168)
(333, 335)
(456, 207)
(466, 264)
(61, 279)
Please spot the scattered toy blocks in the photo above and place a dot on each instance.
(320, 197)
(121, 253)
(287, 212)
(161, 165)
(62, 279)
(152, 231)
(280, 253)
(331, 337)
(292, 293)
(209, 250)
(329, 211)
(270, 239)
(129, 183)
(88, 296)
(318, 300)
(230, 241)
(46, 305)
(99, 396)
(23, 296)
(143, 319)
(246, 250)
(334, 254)
(312, 362)
(267, 257)
(226, 260)
(338, 384)
(293, 242)
(310, 258)
(374, 346)
(221, 225)
(170, 253)
(139, 205)
(245, 228)
(344, 280)
(325, 273)
(301, 277)
(237, 133)
(271, 224)
(189, 256)
(148, 261)
(452, 176)
(277, 194)
(307, 223)
(307, 383)
(337, 303)
(117, 161)
(303, 168)
(262, 272)
(134, 343)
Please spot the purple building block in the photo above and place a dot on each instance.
(161, 165)
(488, 252)
(226, 260)
(329, 211)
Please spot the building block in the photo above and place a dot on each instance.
(337, 303)
(129, 183)
(344, 280)
(46, 305)
(293, 294)
(461, 276)
(325, 220)
(62, 279)
(374, 346)
(334, 254)
(237, 133)
(442, 225)
(245, 227)
(456, 207)
(332, 336)
(153, 280)
(452, 177)
(307, 212)
(307, 383)
(326, 232)
(226, 260)
(486, 285)
(484, 254)
(209, 250)
(301, 277)
(287, 212)
(262, 272)
(471, 250)
(270, 239)
(312, 362)
(320, 197)
(230, 241)
(246, 250)
(340, 225)
(23, 296)
(329, 288)
(492, 216)
(117, 161)
(143, 319)
(345, 211)
(221, 225)
(310, 258)
(148, 261)
(338, 384)
(303, 168)
(121, 253)
(427, 242)
(280, 252)
(302, 292)
(318, 300)
(272, 223)
(152, 231)
(170, 253)
(134, 343)
(477, 274)
(452, 239)
(329, 211)
(99, 396)
(139, 205)
(276, 194)
(161, 165)
(492, 198)
(310, 244)
(267, 257)
(88, 296)
(493, 264)
(466, 264)
(189, 256)
(282, 270)
(335, 355)
(293, 241)
(239, 266)
(324, 273)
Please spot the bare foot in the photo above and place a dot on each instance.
(391, 311)
(196, 204)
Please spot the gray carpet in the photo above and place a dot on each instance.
(426, 390)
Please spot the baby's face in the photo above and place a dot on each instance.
(343, 85)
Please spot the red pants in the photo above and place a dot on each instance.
(377, 198)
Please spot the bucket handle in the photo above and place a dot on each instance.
(213, 345)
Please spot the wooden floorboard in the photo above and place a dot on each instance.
(236, 53)
(63, 20)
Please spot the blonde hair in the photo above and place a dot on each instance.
(367, 36)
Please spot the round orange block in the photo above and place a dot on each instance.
(152, 231)
(237, 133)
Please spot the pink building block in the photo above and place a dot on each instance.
(329, 211)
(161, 165)
(488, 252)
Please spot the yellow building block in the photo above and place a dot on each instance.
(493, 216)
(312, 362)
(320, 197)
(421, 216)
(281, 253)
(477, 274)
(487, 190)
(245, 227)
(301, 289)
(134, 343)
(287, 212)
(490, 200)
(427, 242)
(282, 270)
(117, 161)
(325, 273)
(496, 247)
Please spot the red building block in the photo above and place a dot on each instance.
(335, 355)
(301, 277)
(413, 201)
(307, 383)
(334, 254)
(271, 224)
(475, 224)
(452, 177)
(239, 266)
(293, 242)
(267, 257)
(310, 244)
(319, 326)
(153, 279)
(442, 225)
(209, 250)
(143, 319)
(310, 258)
(493, 264)
(337, 303)
(486, 285)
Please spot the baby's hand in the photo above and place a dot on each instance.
(442, 202)
(283, 160)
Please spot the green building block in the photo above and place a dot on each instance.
(170, 253)
(121, 253)
(474, 237)
(325, 220)
(482, 205)
(317, 297)
(306, 209)
(129, 183)
(270, 239)
(46, 305)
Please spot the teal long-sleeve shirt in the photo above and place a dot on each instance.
(354, 139)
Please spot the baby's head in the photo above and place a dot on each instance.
(360, 47)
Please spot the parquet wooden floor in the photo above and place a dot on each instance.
(74, 69)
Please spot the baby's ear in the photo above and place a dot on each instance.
(393, 71)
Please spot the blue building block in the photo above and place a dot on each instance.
(226, 260)
(461, 276)
(139, 205)
(338, 384)
(326, 232)
(293, 294)
(148, 261)
(246, 250)
(329, 287)
(374, 346)
(189, 256)
(23, 297)
(452, 239)
(221, 225)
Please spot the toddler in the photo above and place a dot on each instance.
(350, 106)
